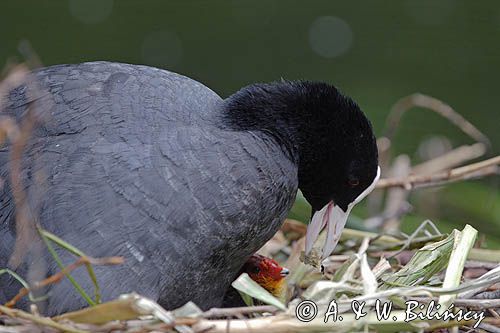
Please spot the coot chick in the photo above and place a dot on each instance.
(153, 166)
(266, 272)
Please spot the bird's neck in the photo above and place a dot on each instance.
(281, 110)
(287, 111)
(267, 109)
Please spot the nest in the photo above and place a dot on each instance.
(413, 273)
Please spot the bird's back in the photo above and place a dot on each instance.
(132, 161)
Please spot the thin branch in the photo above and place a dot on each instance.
(433, 104)
(15, 76)
(411, 238)
(65, 245)
(32, 59)
(58, 276)
(15, 313)
(8, 129)
(474, 304)
(397, 198)
(451, 159)
(232, 312)
(480, 264)
(451, 324)
(25, 228)
(475, 170)
(494, 294)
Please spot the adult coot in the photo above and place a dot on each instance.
(155, 167)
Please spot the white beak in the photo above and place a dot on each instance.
(334, 218)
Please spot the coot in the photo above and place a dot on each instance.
(266, 272)
(153, 166)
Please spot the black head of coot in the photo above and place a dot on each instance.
(326, 134)
(340, 150)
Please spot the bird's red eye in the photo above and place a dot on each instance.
(353, 182)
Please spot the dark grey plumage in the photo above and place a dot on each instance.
(150, 165)
(135, 163)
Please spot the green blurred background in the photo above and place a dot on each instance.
(376, 51)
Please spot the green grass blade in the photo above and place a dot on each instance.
(248, 286)
(75, 284)
(426, 262)
(464, 241)
(65, 245)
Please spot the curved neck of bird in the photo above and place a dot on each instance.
(286, 113)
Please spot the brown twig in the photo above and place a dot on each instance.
(16, 75)
(291, 225)
(494, 294)
(396, 197)
(25, 227)
(465, 303)
(43, 321)
(392, 123)
(450, 324)
(480, 264)
(19, 136)
(8, 129)
(58, 276)
(32, 59)
(475, 170)
(231, 312)
(494, 313)
(451, 159)
(433, 104)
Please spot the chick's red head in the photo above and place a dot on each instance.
(266, 272)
